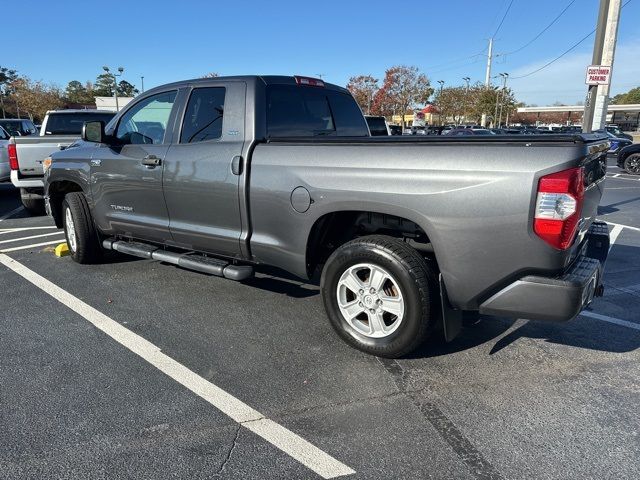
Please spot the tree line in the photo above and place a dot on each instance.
(22, 97)
(405, 89)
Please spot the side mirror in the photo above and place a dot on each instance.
(93, 132)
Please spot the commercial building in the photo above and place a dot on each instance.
(109, 103)
(627, 117)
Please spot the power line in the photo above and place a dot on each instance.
(461, 59)
(557, 58)
(503, 17)
(543, 30)
(565, 52)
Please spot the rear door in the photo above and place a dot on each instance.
(200, 179)
(126, 178)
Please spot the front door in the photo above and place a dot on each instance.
(126, 176)
(200, 179)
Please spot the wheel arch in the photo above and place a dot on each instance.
(335, 228)
(56, 192)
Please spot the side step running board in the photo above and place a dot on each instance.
(199, 263)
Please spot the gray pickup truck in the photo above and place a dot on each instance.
(409, 234)
(60, 129)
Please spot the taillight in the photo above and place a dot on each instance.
(13, 156)
(312, 82)
(558, 207)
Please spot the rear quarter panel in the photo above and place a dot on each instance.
(474, 201)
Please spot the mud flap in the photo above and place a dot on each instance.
(451, 318)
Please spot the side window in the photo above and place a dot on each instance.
(146, 122)
(204, 115)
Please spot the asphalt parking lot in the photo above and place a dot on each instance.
(85, 393)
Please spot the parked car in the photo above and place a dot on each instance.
(377, 125)
(19, 127)
(60, 129)
(615, 130)
(615, 143)
(282, 171)
(4, 155)
(629, 159)
(468, 131)
(395, 129)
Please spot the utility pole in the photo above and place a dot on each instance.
(466, 98)
(595, 112)
(487, 77)
(142, 80)
(441, 82)
(504, 90)
(2, 101)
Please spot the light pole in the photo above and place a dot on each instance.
(441, 82)
(2, 101)
(504, 88)
(142, 80)
(115, 84)
(466, 97)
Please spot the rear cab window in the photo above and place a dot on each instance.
(71, 123)
(304, 111)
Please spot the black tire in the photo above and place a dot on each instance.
(87, 245)
(632, 164)
(415, 278)
(34, 206)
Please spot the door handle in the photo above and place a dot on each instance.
(236, 165)
(151, 161)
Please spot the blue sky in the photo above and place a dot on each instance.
(168, 40)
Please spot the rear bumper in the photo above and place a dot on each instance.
(26, 182)
(559, 298)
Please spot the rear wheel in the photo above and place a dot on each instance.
(33, 205)
(82, 237)
(632, 164)
(380, 295)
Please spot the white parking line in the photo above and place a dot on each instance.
(618, 177)
(624, 226)
(616, 321)
(12, 212)
(4, 231)
(25, 247)
(293, 445)
(11, 240)
(613, 235)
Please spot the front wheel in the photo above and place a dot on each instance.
(632, 164)
(82, 238)
(380, 295)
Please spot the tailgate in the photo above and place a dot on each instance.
(32, 152)
(595, 169)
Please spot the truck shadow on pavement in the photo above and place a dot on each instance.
(9, 198)
(581, 332)
(278, 281)
(607, 209)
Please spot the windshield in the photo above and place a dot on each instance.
(4, 135)
(71, 123)
(14, 127)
